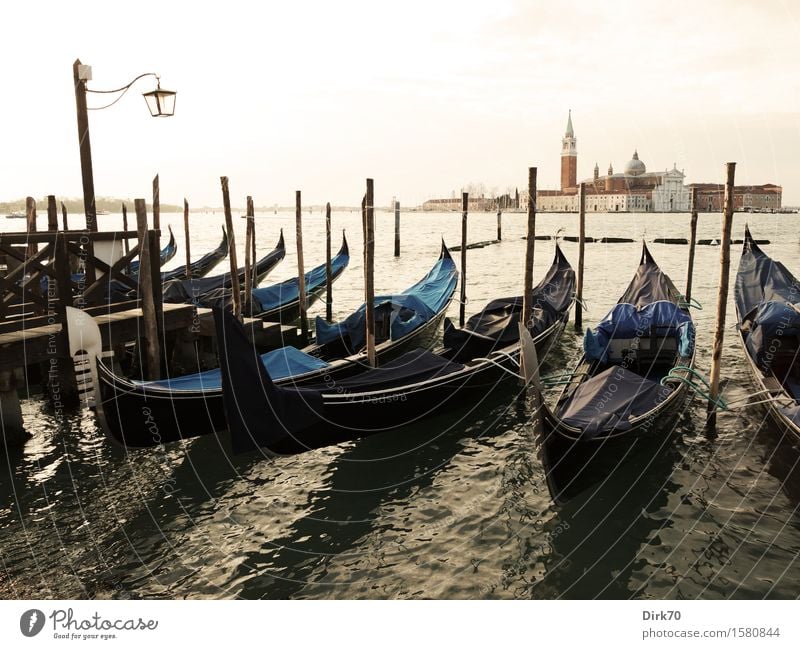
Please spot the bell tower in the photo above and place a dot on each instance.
(569, 157)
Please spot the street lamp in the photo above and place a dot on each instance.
(160, 102)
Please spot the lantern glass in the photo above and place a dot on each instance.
(160, 102)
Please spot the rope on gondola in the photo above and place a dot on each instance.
(691, 303)
(719, 403)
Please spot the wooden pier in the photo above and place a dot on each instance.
(39, 283)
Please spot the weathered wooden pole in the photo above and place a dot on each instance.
(187, 239)
(722, 293)
(369, 269)
(30, 223)
(692, 243)
(125, 227)
(64, 216)
(462, 307)
(397, 228)
(301, 273)
(253, 246)
(235, 289)
(248, 260)
(52, 214)
(328, 267)
(156, 204)
(149, 308)
(87, 177)
(527, 289)
(581, 253)
(499, 224)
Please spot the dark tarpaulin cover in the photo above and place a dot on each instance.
(273, 297)
(496, 326)
(404, 312)
(649, 284)
(760, 279)
(605, 403)
(259, 413)
(774, 328)
(216, 291)
(625, 321)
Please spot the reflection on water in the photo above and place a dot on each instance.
(458, 506)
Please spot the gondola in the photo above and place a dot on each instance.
(420, 383)
(189, 406)
(633, 373)
(167, 253)
(767, 298)
(216, 290)
(202, 266)
(281, 302)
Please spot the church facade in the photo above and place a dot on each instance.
(634, 190)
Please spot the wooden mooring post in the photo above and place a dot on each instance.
(328, 267)
(156, 204)
(301, 273)
(692, 244)
(397, 228)
(462, 307)
(248, 259)
(581, 253)
(369, 269)
(30, 223)
(722, 294)
(187, 240)
(235, 288)
(65, 226)
(527, 288)
(125, 227)
(52, 214)
(499, 224)
(149, 279)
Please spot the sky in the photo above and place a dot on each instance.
(423, 96)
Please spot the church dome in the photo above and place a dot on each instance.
(634, 166)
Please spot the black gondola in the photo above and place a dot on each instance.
(420, 383)
(632, 375)
(190, 406)
(216, 290)
(202, 266)
(767, 298)
(166, 255)
(281, 302)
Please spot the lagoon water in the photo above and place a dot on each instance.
(457, 507)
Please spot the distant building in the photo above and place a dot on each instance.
(477, 204)
(746, 198)
(633, 190)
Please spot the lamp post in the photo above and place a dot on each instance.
(160, 102)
